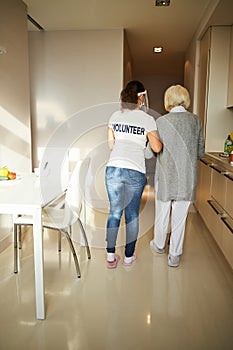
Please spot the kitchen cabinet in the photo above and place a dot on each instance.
(220, 225)
(230, 81)
(204, 186)
(203, 79)
(219, 185)
(227, 239)
(229, 198)
(214, 223)
(215, 203)
(204, 203)
(213, 87)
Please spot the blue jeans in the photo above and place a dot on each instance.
(125, 187)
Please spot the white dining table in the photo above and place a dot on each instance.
(23, 196)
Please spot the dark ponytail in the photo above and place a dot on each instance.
(129, 95)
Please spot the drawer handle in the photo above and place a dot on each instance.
(227, 224)
(230, 177)
(210, 202)
(215, 168)
(220, 171)
(205, 162)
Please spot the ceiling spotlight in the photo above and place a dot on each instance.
(162, 2)
(157, 49)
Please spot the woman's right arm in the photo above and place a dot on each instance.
(154, 140)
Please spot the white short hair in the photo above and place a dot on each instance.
(176, 95)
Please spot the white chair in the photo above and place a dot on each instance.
(62, 216)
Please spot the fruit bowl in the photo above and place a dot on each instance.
(7, 176)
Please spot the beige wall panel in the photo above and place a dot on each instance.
(15, 142)
(14, 87)
(220, 119)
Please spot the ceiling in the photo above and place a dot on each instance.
(146, 25)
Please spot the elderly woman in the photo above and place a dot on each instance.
(176, 171)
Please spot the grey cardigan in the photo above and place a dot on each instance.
(176, 167)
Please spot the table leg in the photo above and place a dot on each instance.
(39, 263)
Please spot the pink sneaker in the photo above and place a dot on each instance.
(129, 261)
(113, 264)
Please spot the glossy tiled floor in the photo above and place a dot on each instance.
(143, 307)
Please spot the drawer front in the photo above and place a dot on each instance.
(213, 221)
(203, 186)
(227, 239)
(229, 196)
(218, 187)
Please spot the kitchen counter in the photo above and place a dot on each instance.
(222, 163)
(215, 200)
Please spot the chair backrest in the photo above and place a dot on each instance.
(75, 191)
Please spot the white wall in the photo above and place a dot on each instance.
(69, 71)
(76, 79)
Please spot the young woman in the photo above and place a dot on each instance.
(128, 131)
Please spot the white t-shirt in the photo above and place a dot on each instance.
(130, 130)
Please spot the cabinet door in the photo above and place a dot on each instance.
(230, 81)
(227, 239)
(221, 228)
(213, 86)
(203, 78)
(229, 196)
(199, 186)
(213, 221)
(218, 187)
(203, 187)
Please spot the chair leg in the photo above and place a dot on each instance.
(59, 241)
(85, 239)
(73, 252)
(70, 230)
(20, 237)
(15, 250)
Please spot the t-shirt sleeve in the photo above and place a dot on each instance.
(151, 124)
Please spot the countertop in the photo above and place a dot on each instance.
(216, 160)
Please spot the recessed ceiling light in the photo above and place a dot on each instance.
(157, 49)
(162, 2)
